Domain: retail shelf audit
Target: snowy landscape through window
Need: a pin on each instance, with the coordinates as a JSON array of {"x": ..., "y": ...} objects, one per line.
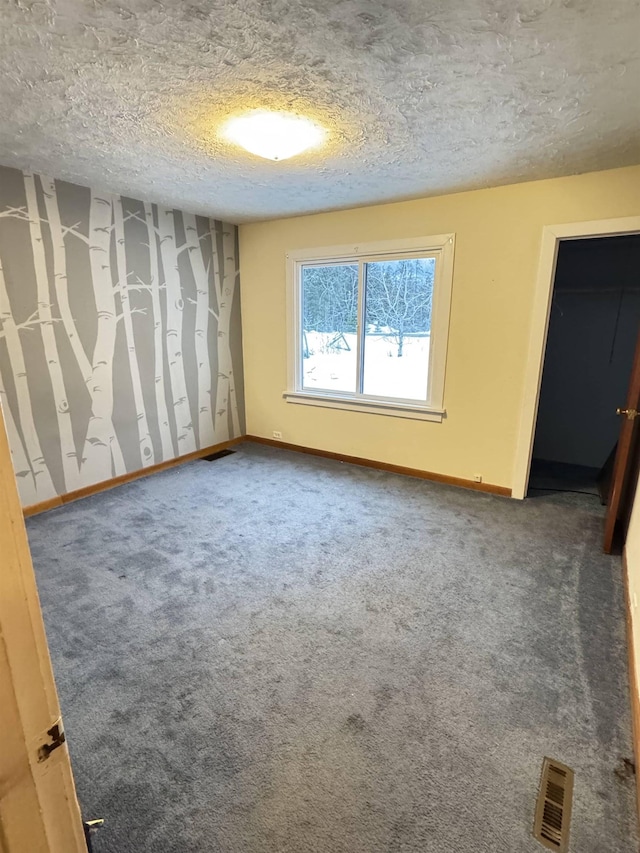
[{"x": 370, "y": 329}]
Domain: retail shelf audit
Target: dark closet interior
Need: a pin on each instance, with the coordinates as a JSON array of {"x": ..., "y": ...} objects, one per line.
[{"x": 593, "y": 329}]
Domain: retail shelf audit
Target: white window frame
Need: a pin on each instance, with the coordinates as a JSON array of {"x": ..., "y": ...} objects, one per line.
[{"x": 441, "y": 247}]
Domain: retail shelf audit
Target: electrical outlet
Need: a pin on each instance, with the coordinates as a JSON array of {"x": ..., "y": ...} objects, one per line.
[
  {"x": 277, "y": 433},
  {"x": 477, "y": 478}
]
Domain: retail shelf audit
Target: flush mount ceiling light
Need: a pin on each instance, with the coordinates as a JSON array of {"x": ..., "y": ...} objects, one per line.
[{"x": 273, "y": 135}]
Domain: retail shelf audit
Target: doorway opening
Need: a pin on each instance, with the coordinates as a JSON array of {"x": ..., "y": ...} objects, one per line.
[{"x": 592, "y": 337}]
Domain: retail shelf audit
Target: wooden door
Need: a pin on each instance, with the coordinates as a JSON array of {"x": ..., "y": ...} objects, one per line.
[
  {"x": 625, "y": 462},
  {"x": 39, "y": 811}
]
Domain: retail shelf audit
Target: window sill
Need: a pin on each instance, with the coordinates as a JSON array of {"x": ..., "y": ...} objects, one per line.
[{"x": 394, "y": 410}]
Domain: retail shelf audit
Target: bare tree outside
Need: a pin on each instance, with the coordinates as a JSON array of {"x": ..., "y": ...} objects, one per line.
[
  {"x": 330, "y": 298},
  {"x": 329, "y": 326},
  {"x": 398, "y": 298}
]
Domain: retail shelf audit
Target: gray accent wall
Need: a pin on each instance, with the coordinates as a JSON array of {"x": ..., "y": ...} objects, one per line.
[{"x": 120, "y": 333}]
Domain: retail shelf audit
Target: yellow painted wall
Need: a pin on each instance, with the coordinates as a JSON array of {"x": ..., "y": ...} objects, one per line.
[{"x": 498, "y": 236}]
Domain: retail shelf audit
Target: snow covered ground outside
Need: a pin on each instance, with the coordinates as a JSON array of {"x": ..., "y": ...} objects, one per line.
[{"x": 332, "y": 367}]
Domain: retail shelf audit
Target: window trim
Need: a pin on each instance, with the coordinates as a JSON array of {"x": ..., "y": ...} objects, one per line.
[{"x": 442, "y": 246}]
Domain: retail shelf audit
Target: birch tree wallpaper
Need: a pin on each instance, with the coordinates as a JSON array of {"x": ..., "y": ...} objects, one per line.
[{"x": 120, "y": 335}]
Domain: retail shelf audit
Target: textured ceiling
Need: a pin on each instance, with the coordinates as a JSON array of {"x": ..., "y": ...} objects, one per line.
[{"x": 421, "y": 97}]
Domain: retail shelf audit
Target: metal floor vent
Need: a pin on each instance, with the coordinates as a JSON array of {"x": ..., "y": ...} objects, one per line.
[
  {"x": 213, "y": 456},
  {"x": 553, "y": 809}
]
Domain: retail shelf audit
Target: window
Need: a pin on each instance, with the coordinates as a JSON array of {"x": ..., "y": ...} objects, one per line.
[{"x": 368, "y": 326}]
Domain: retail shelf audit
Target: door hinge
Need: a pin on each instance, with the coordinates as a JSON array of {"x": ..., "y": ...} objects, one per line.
[
  {"x": 631, "y": 414},
  {"x": 57, "y": 738}
]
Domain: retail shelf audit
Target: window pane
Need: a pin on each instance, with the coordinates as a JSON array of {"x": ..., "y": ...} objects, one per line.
[
  {"x": 329, "y": 318},
  {"x": 397, "y": 331}
]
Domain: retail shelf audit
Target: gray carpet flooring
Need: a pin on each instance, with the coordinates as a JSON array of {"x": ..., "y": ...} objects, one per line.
[{"x": 275, "y": 653}]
